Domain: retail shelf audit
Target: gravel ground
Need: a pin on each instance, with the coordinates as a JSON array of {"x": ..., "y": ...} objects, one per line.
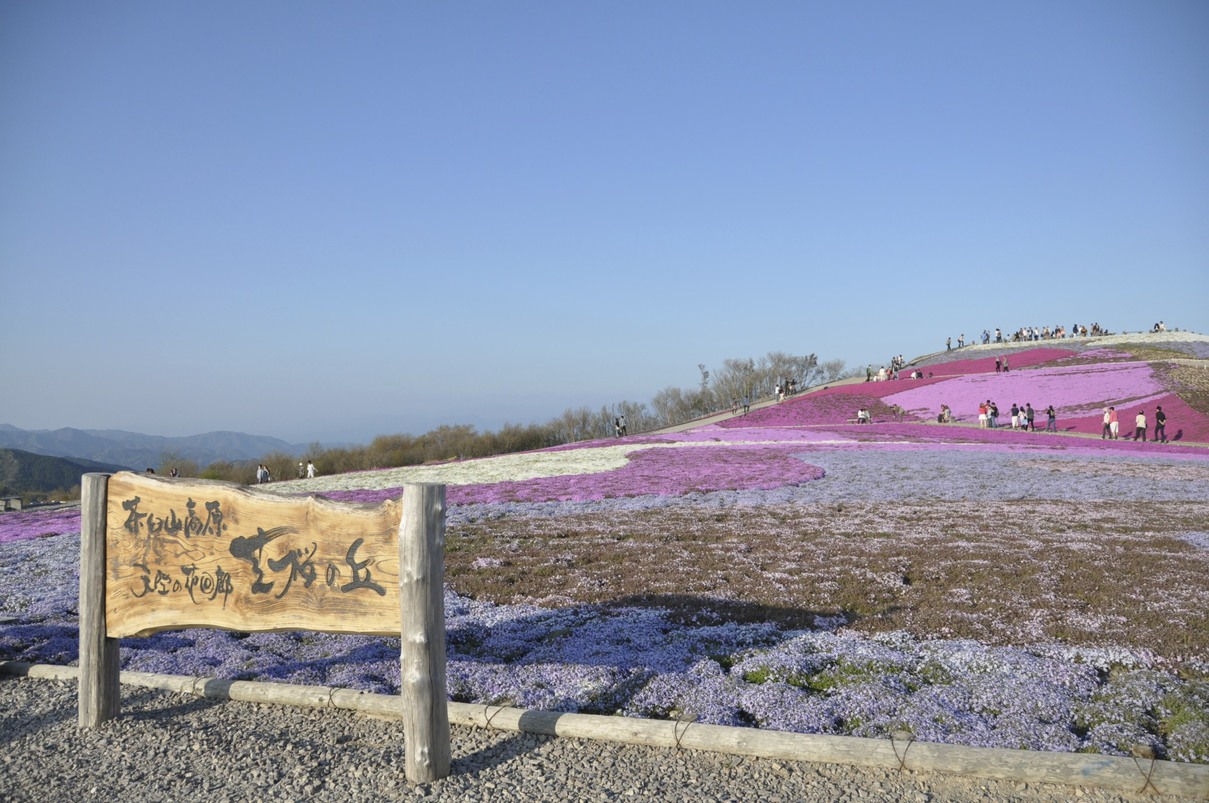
[{"x": 170, "y": 747}]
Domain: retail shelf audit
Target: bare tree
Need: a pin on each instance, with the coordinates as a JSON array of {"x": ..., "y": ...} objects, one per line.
[{"x": 171, "y": 459}]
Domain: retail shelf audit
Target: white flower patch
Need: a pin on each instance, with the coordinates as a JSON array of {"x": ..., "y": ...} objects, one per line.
[{"x": 499, "y": 468}]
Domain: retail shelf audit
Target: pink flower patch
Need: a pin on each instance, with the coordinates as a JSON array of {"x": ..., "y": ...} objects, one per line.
[
  {"x": 829, "y": 406},
  {"x": 1074, "y": 391},
  {"x": 661, "y": 471},
  {"x": 38, "y": 523}
]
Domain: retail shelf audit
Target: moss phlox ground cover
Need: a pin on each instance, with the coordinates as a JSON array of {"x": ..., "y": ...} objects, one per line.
[{"x": 788, "y": 570}]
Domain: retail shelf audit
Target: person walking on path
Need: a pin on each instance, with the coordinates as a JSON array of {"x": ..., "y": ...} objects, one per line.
[
  {"x": 1029, "y": 415},
  {"x": 1113, "y": 424},
  {"x": 948, "y": 344},
  {"x": 1140, "y": 428},
  {"x": 310, "y": 469},
  {"x": 1160, "y": 424},
  {"x": 1107, "y": 431},
  {"x": 1051, "y": 419}
]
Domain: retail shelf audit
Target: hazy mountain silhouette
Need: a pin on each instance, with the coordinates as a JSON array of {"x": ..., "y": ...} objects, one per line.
[{"x": 138, "y": 451}]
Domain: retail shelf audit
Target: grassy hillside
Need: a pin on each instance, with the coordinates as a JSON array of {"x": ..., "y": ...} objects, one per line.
[{"x": 33, "y": 475}]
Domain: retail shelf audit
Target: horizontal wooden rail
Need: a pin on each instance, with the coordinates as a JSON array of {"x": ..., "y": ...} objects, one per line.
[{"x": 1077, "y": 769}]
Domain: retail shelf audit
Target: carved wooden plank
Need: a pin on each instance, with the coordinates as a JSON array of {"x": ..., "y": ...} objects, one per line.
[
  {"x": 99, "y": 692},
  {"x": 422, "y": 608},
  {"x": 198, "y": 553}
]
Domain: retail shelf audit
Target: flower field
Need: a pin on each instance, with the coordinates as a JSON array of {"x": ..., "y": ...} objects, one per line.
[{"x": 788, "y": 570}]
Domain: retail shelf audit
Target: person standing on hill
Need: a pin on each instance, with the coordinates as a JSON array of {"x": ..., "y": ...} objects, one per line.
[
  {"x": 1113, "y": 423},
  {"x": 310, "y": 469},
  {"x": 1051, "y": 419},
  {"x": 961, "y": 340},
  {"x": 1029, "y": 415},
  {"x": 1139, "y": 431},
  {"x": 982, "y": 416},
  {"x": 948, "y": 344},
  {"x": 1107, "y": 431},
  {"x": 1160, "y": 424},
  {"x": 1015, "y": 416},
  {"x": 998, "y": 365}
]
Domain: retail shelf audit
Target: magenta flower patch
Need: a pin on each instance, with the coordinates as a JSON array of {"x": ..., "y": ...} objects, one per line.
[
  {"x": 1183, "y": 423},
  {"x": 830, "y": 406},
  {"x": 986, "y": 365}
]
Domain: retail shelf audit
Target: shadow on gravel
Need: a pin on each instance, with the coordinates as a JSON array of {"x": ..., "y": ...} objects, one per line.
[
  {"x": 153, "y": 705},
  {"x": 513, "y": 747}
]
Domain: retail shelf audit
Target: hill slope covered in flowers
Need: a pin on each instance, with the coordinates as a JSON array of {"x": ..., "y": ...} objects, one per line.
[{"x": 787, "y": 569}]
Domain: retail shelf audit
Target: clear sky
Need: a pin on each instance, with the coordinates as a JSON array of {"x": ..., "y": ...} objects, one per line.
[{"x": 329, "y": 221}]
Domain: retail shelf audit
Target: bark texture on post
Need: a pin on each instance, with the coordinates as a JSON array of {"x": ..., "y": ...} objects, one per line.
[
  {"x": 100, "y": 695},
  {"x": 422, "y": 608}
]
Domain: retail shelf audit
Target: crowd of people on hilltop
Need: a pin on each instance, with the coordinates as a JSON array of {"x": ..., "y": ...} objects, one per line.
[{"x": 1029, "y": 333}]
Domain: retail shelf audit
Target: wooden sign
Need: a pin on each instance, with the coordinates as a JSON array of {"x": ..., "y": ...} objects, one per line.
[
  {"x": 158, "y": 553},
  {"x": 198, "y": 553}
]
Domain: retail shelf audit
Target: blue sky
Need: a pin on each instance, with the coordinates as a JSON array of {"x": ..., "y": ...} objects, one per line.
[{"x": 328, "y": 221}]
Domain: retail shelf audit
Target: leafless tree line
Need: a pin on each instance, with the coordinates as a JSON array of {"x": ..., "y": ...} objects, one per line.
[{"x": 717, "y": 391}]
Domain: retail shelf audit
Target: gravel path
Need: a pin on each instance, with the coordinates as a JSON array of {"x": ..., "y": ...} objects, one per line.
[{"x": 168, "y": 746}]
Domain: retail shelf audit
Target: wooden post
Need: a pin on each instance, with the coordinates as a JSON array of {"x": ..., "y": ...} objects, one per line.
[
  {"x": 422, "y": 606},
  {"x": 100, "y": 696}
]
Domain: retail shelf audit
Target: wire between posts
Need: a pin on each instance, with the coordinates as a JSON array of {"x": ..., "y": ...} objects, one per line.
[
  {"x": 1147, "y": 776},
  {"x": 493, "y": 714},
  {"x": 679, "y": 734},
  {"x": 910, "y": 739}
]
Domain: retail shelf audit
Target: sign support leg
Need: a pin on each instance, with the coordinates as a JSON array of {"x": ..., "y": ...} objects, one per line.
[{"x": 100, "y": 695}]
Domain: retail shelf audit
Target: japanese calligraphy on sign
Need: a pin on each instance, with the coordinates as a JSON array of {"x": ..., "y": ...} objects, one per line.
[{"x": 213, "y": 554}]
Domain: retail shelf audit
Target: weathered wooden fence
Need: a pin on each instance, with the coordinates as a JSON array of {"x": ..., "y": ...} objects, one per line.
[{"x": 159, "y": 554}]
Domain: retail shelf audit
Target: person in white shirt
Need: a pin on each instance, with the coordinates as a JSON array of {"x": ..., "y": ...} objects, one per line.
[{"x": 1140, "y": 422}]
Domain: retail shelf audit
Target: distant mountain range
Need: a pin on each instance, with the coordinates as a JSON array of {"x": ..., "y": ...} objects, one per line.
[{"x": 133, "y": 450}]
